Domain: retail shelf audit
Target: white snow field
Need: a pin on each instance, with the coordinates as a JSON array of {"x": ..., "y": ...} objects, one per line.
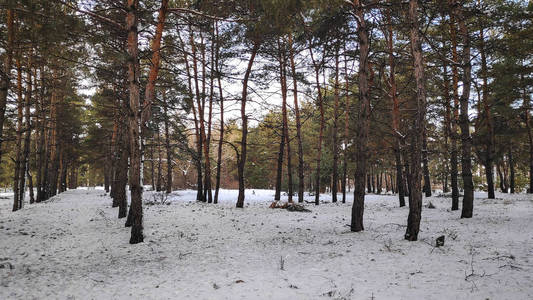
[{"x": 74, "y": 247}]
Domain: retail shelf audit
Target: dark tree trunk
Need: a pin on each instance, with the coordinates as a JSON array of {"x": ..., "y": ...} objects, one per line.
[
  {"x": 415, "y": 196},
  {"x": 335, "y": 145},
  {"x": 283, "y": 77},
  {"x": 489, "y": 161},
  {"x": 466, "y": 140},
  {"x": 18, "y": 148},
  {"x": 511, "y": 171},
  {"x": 316, "y": 66},
  {"x": 168, "y": 183},
  {"x": 279, "y": 171},
  {"x": 134, "y": 122},
  {"x": 363, "y": 120},
  {"x": 454, "y": 120},
  {"x": 242, "y": 159},
  {"x": 122, "y": 173},
  {"x": 298, "y": 125},
  {"x": 427, "y": 183},
  {"x": 221, "y": 137}
]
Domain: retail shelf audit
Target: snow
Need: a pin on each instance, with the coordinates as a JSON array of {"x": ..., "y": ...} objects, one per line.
[{"x": 74, "y": 247}]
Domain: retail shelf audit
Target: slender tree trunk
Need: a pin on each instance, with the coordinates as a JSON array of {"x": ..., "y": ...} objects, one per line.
[
  {"x": 159, "y": 162},
  {"x": 283, "y": 74},
  {"x": 466, "y": 140},
  {"x": 395, "y": 112},
  {"x": 298, "y": 124},
  {"x": 198, "y": 155},
  {"x": 221, "y": 137},
  {"x": 415, "y": 196},
  {"x": 335, "y": 145},
  {"x": 425, "y": 163},
  {"x": 489, "y": 161},
  {"x": 279, "y": 171},
  {"x": 511, "y": 171},
  {"x": 201, "y": 137},
  {"x": 18, "y": 147},
  {"x": 322, "y": 123},
  {"x": 24, "y": 168},
  {"x": 527, "y": 106},
  {"x": 242, "y": 159},
  {"x": 363, "y": 120},
  {"x": 122, "y": 173},
  {"x": 454, "y": 120},
  {"x": 168, "y": 185}
]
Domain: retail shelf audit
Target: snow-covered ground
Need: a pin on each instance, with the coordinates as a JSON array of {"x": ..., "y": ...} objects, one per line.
[{"x": 74, "y": 247}]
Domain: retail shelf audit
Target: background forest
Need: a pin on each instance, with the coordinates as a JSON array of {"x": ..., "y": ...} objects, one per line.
[{"x": 266, "y": 94}]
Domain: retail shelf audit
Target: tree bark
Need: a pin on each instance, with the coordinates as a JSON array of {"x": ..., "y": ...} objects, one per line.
[
  {"x": 363, "y": 120},
  {"x": 135, "y": 123},
  {"x": 415, "y": 195},
  {"x": 425, "y": 163},
  {"x": 466, "y": 140},
  {"x": 18, "y": 147},
  {"x": 168, "y": 184}
]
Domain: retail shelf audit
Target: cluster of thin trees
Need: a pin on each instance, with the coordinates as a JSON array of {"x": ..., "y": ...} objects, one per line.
[{"x": 161, "y": 69}]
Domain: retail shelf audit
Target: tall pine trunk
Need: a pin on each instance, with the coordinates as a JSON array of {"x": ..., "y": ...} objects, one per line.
[
  {"x": 363, "y": 120},
  {"x": 454, "y": 120},
  {"x": 335, "y": 145},
  {"x": 415, "y": 195},
  {"x": 298, "y": 124},
  {"x": 134, "y": 123},
  {"x": 241, "y": 159},
  {"x": 466, "y": 140},
  {"x": 221, "y": 97}
]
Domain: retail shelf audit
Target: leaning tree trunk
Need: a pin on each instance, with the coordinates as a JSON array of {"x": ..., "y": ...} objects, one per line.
[
  {"x": 363, "y": 120},
  {"x": 415, "y": 196},
  {"x": 242, "y": 157}
]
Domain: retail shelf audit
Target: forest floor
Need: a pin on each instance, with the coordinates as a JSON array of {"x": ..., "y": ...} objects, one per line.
[{"x": 74, "y": 247}]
